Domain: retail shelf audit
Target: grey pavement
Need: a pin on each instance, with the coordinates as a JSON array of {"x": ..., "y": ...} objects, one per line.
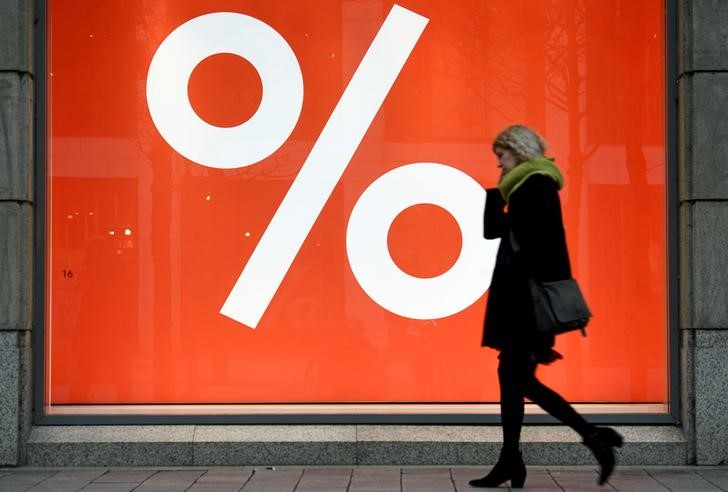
[{"x": 351, "y": 479}]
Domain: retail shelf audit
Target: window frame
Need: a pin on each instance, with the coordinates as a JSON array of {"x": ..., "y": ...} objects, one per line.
[{"x": 41, "y": 416}]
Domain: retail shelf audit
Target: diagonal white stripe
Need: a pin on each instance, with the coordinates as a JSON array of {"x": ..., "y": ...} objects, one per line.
[{"x": 359, "y": 104}]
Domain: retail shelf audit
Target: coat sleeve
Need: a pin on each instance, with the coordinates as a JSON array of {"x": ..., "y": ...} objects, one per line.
[
  {"x": 495, "y": 221},
  {"x": 537, "y": 224}
]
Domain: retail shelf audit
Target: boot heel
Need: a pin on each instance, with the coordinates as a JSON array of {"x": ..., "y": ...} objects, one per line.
[
  {"x": 602, "y": 441},
  {"x": 517, "y": 483},
  {"x": 510, "y": 466},
  {"x": 518, "y": 475}
]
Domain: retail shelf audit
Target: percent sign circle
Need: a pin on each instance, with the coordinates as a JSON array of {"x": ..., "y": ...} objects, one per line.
[
  {"x": 257, "y": 138},
  {"x": 372, "y": 264},
  {"x": 194, "y": 138}
]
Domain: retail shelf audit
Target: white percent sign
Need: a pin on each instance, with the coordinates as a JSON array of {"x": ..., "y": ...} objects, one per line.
[{"x": 272, "y": 124}]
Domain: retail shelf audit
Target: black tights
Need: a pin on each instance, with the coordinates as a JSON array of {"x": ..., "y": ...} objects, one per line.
[{"x": 517, "y": 378}]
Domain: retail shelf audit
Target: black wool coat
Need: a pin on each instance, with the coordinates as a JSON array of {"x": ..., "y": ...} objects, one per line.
[{"x": 534, "y": 216}]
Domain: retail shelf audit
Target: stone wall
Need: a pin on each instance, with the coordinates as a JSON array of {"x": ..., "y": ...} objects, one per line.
[
  {"x": 16, "y": 225},
  {"x": 703, "y": 201}
]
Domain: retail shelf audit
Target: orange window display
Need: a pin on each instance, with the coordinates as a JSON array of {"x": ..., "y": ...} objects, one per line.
[{"x": 271, "y": 202}]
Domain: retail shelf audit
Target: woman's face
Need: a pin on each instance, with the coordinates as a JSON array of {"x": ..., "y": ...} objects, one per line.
[{"x": 507, "y": 160}]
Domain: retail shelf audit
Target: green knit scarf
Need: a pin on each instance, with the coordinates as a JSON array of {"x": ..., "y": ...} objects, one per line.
[{"x": 518, "y": 175}]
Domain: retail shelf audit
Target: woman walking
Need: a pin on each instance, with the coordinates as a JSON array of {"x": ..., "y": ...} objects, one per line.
[{"x": 525, "y": 212}]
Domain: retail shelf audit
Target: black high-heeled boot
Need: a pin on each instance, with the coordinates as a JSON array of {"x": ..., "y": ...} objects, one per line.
[
  {"x": 602, "y": 441},
  {"x": 509, "y": 467}
]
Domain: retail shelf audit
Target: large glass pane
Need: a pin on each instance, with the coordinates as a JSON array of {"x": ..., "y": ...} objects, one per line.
[{"x": 146, "y": 241}]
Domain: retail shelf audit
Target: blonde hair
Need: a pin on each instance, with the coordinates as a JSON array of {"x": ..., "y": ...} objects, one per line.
[{"x": 525, "y": 143}]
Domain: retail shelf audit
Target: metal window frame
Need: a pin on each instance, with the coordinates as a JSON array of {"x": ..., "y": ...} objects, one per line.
[{"x": 40, "y": 416}]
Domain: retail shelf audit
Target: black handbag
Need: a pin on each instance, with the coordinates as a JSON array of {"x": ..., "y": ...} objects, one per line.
[{"x": 558, "y": 306}]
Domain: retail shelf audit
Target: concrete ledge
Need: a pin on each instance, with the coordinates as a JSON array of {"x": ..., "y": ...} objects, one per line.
[
  {"x": 231, "y": 445},
  {"x": 111, "y": 446},
  {"x": 331, "y": 445},
  {"x": 541, "y": 445}
]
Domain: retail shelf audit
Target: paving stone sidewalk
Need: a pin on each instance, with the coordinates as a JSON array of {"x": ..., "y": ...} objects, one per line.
[{"x": 351, "y": 479}]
